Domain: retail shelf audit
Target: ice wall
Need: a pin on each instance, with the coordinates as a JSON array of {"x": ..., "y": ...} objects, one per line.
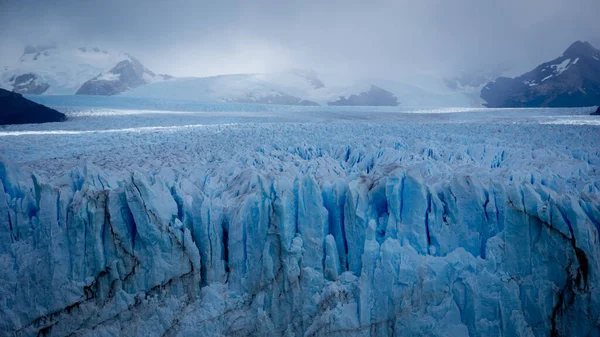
[{"x": 296, "y": 252}]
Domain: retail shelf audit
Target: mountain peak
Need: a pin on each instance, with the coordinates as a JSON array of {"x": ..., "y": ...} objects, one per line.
[
  {"x": 579, "y": 48},
  {"x": 570, "y": 80},
  {"x": 65, "y": 70}
]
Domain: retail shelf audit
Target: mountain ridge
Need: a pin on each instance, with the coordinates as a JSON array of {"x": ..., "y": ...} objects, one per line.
[
  {"x": 570, "y": 80},
  {"x": 63, "y": 70}
]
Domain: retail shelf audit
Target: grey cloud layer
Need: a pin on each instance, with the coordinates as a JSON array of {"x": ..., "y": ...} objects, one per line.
[{"x": 375, "y": 37}]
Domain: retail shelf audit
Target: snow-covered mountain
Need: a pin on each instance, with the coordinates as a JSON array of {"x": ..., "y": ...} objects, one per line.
[
  {"x": 61, "y": 70},
  {"x": 573, "y": 79},
  {"x": 51, "y": 70},
  {"x": 127, "y": 74}
]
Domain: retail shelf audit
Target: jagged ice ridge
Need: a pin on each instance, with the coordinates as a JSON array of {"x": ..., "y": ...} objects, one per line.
[{"x": 391, "y": 228}]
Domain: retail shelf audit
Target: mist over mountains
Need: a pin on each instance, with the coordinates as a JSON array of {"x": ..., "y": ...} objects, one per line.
[
  {"x": 64, "y": 70},
  {"x": 570, "y": 80}
]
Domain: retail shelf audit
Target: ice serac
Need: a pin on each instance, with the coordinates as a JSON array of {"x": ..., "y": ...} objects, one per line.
[{"x": 395, "y": 251}]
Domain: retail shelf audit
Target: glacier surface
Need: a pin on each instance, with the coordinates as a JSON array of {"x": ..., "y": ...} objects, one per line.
[
  {"x": 415, "y": 91},
  {"x": 139, "y": 223}
]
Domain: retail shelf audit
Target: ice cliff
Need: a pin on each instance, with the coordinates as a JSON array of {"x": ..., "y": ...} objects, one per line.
[{"x": 395, "y": 251}]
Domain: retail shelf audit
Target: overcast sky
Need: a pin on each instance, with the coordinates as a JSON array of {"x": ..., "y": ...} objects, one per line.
[{"x": 377, "y": 37}]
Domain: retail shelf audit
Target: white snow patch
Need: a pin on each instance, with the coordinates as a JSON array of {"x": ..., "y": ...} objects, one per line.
[
  {"x": 108, "y": 76},
  {"x": 562, "y": 67}
]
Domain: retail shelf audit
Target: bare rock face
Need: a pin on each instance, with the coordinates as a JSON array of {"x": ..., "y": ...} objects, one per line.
[
  {"x": 571, "y": 80},
  {"x": 16, "y": 109}
]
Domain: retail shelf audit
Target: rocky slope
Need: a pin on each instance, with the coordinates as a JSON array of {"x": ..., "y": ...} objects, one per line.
[
  {"x": 15, "y": 109},
  {"x": 571, "y": 80}
]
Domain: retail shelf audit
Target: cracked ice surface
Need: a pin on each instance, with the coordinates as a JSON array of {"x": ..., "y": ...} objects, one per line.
[{"x": 478, "y": 223}]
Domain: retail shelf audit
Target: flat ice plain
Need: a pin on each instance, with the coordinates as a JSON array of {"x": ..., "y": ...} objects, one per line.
[{"x": 321, "y": 221}]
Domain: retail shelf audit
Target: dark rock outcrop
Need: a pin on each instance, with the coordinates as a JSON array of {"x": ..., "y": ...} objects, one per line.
[
  {"x": 376, "y": 96},
  {"x": 597, "y": 112},
  {"x": 571, "y": 80},
  {"x": 16, "y": 109}
]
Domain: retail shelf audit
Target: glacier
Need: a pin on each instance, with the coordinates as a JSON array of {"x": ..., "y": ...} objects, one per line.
[
  {"x": 414, "y": 91},
  {"x": 465, "y": 224}
]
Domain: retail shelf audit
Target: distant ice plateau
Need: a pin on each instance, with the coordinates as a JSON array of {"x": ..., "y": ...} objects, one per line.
[
  {"x": 311, "y": 223},
  {"x": 64, "y": 70}
]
